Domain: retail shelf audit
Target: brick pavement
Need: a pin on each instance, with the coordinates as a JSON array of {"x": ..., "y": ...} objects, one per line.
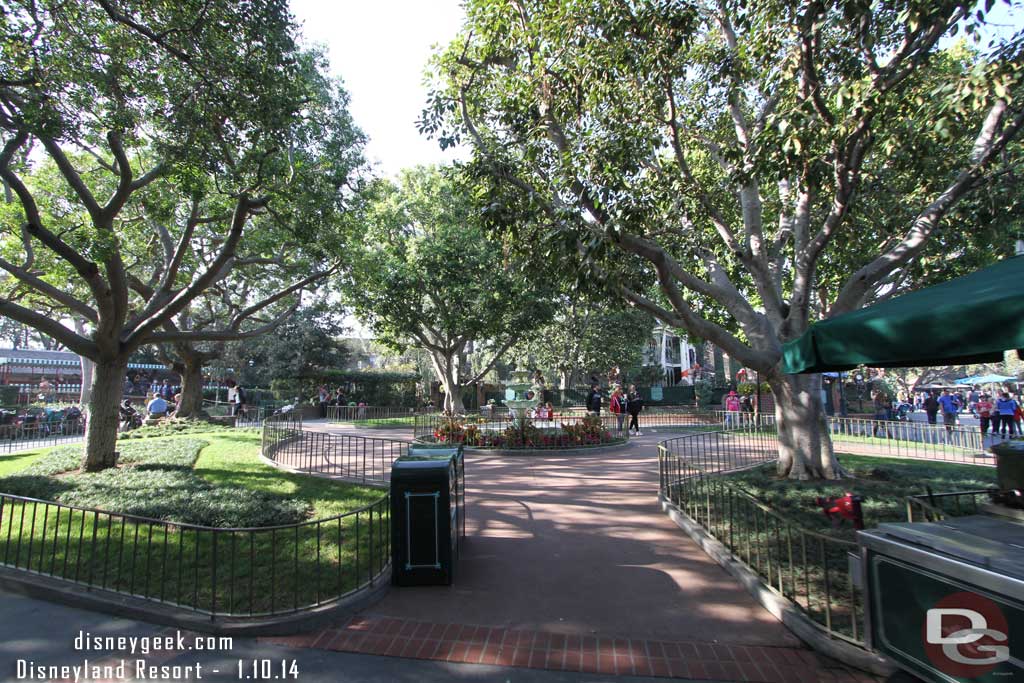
[
  {"x": 472, "y": 644},
  {"x": 570, "y": 565}
]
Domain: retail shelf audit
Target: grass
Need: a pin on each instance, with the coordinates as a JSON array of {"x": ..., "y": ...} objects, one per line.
[
  {"x": 811, "y": 569},
  {"x": 267, "y": 570},
  {"x": 884, "y": 482},
  {"x": 383, "y": 422},
  {"x": 19, "y": 461}
]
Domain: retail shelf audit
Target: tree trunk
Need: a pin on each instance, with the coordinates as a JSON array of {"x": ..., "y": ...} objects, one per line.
[
  {"x": 88, "y": 366},
  {"x": 101, "y": 429},
  {"x": 805, "y": 447},
  {"x": 447, "y": 373},
  {"x": 191, "y": 372}
]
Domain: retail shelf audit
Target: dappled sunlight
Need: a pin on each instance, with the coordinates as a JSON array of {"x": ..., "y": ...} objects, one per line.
[{"x": 578, "y": 545}]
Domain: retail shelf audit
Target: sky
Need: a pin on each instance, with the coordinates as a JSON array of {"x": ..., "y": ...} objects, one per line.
[{"x": 380, "y": 49}]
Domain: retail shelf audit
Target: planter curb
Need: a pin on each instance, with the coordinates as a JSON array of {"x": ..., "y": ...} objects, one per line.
[{"x": 779, "y": 607}]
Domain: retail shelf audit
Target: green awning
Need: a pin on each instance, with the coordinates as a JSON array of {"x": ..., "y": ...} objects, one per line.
[{"x": 972, "y": 319}]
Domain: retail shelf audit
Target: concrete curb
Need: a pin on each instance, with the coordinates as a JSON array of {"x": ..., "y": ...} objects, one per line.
[
  {"x": 781, "y": 608},
  {"x": 72, "y": 595}
]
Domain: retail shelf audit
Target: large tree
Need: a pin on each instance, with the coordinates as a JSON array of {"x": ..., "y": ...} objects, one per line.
[
  {"x": 427, "y": 276},
  {"x": 174, "y": 124},
  {"x": 588, "y": 334},
  {"x": 768, "y": 163}
]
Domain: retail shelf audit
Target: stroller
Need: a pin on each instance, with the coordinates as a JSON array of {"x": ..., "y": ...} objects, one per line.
[{"x": 129, "y": 417}]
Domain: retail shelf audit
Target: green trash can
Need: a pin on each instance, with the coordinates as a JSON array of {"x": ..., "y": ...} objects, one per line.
[{"x": 428, "y": 502}]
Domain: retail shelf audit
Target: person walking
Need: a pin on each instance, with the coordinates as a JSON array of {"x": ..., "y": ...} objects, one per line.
[
  {"x": 882, "y": 407},
  {"x": 322, "y": 398},
  {"x": 732, "y": 409},
  {"x": 634, "y": 404},
  {"x": 931, "y": 407},
  {"x": 950, "y": 407},
  {"x": 1007, "y": 407},
  {"x": 617, "y": 404},
  {"x": 984, "y": 408},
  {"x": 594, "y": 399},
  {"x": 1018, "y": 415}
]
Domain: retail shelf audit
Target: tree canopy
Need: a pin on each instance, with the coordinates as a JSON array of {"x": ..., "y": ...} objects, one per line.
[
  {"x": 154, "y": 151},
  {"x": 428, "y": 276},
  {"x": 747, "y": 157}
]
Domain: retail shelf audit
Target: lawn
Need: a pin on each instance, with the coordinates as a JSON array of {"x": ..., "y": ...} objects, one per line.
[
  {"x": 382, "y": 422},
  {"x": 783, "y": 536},
  {"x": 211, "y": 477},
  {"x": 18, "y": 461},
  {"x": 885, "y": 484}
]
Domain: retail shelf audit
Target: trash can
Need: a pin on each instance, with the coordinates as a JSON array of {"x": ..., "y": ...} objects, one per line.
[{"x": 428, "y": 499}]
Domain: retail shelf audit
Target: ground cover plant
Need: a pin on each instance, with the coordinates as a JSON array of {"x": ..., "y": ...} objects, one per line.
[
  {"x": 217, "y": 475},
  {"x": 774, "y": 526},
  {"x": 885, "y": 484}
]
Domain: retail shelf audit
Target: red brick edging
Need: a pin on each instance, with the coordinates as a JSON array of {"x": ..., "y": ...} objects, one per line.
[{"x": 560, "y": 652}]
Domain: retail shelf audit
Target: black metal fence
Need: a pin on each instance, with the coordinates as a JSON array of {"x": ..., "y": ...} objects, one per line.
[
  {"x": 808, "y": 568},
  {"x": 39, "y": 434},
  {"x": 216, "y": 571},
  {"x": 933, "y": 507},
  {"x": 246, "y": 416},
  {"x": 502, "y": 430},
  {"x": 356, "y": 458},
  {"x": 910, "y": 440},
  {"x": 382, "y": 415}
]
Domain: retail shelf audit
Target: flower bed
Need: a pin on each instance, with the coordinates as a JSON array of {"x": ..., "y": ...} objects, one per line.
[{"x": 481, "y": 432}]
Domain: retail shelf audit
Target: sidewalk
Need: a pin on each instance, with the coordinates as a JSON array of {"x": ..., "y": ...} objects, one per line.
[
  {"x": 570, "y": 572},
  {"x": 569, "y": 557}
]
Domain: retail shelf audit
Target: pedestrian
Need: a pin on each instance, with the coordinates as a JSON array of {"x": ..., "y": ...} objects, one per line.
[
  {"x": 931, "y": 407},
  {"x": 1007, "y": 407},
  {"x": 236, "y": 397},
  {"x": 883, "y": 409},
  {"x": 165, "y": 391},
  {"x": 972, "y": 400},
  {"x": 322, "y": 397},
  {"x": 950, "y": 407},
  {"x": 594, "y": 399},
  {"x": 634, "y": 404},
  {"x": 732, "y": 409},
  {"x": 1018, "y": 415},
  {"x": 984, "y": 407},
  {"x": 617, "y": 404}
]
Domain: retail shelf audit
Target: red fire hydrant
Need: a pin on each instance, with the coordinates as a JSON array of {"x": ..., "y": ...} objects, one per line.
[{"x": 843, "y": 507}]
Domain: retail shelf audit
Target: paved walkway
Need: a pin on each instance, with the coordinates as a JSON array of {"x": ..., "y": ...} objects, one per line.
[{"x": 569, "y": 564}]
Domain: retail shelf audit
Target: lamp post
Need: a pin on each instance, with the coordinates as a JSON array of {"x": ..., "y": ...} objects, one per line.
[{"x": 859, "y": 379}]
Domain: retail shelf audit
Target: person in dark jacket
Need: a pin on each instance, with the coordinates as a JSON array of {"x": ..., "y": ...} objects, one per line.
[
  {"x": 594, "y": 399},
  {"x": 931, "y": 407},
  {"x": 634, "y": 404}
]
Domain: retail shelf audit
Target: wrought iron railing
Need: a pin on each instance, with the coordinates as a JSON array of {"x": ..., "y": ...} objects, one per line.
[
  {"x": 39, "y": 434},
  {"x": 356, "y": 458},
  {"x": 933, "y": 507},
  {"x": 246, "y": 416},
  {"x": 221, "y": 572},
  {"x": 910, "y": 440},
  {"x": 374, "y": 414},
  {"x": 808, "y": 568}
]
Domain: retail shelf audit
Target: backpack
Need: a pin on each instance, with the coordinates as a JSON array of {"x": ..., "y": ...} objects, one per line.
[
  {"x": 241, "y": 395},
  {"x": 615, "y": 405}
]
